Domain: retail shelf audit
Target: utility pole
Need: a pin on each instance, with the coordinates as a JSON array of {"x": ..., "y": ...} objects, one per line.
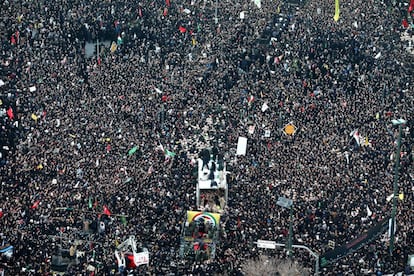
[
  {"x": 215, "y": 13},
  {"x": 288, "y": 204},
  {"x": 97, "y": 51},
  {"x": 400, "y": 123},
  {"x": 289, "y": 247}
]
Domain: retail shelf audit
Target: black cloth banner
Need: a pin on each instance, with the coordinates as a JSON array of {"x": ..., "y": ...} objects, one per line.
[{"x": 352, "y": 246}]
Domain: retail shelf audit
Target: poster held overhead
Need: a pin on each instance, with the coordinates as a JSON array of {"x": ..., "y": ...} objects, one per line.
[
  {"x": 258, "y": 3},
  {"x": 241, "y": 146},
  {"x": 289, "y": 129}
]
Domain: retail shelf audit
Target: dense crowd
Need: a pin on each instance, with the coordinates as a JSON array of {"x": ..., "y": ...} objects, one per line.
[{"x": 179, "y": 79}]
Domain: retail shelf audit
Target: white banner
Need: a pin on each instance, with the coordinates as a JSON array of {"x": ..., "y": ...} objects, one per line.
[
  {"x": 141, "y": 258},
  {"x": 241, "y": 146},
  {"x": 265, "y": 107}
]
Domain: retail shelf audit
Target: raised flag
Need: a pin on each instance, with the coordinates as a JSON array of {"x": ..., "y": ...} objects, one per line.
[
  {"x": 127, "y": 180},
  {"x": 168, "y": 3},
  {"x": 119, "y": 40},
  {"x": 106, "y": 210},
  {"x": 90, "y": 203},
  {"x": 411, "y": 6},
  {"x": 132, "y": 150},
  {"x": 250, "y": 99},
  {"x": 355, "y": 134},
  {"x": 34, "y": 117},
  {"x": 337, "y": 11},
  {"x": 169, "y": 153},
  {"x": 405, "y": 23},
  {"x": 369, "y": 212},
  {"x": 10, "y": 113},
  {"x": 123, "y": 220},
  {"x": 35, "y": 204},
  {"x": 182, "y": 29},
  {"x": 113, "y": 47},
  {"x": 159, "y": 91},
  {"x": 366, "y": 143},
  {"x": 165, "y": 13},
  {"x": 160, "y": 147}
]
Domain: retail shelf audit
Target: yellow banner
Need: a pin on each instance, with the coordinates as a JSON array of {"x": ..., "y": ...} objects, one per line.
[
  {"x": 336, "y": 16},
  {"x": 214, "y": 218}
]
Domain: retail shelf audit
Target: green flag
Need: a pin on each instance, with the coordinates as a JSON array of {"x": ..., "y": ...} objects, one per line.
[
  {"x": 169, "y": 153},
  {"x": 123, "y": 220},
  {"x": 90, "y": 203},
  {"x": 132, "y": 150},
  {"x": 128, "y": 180}
]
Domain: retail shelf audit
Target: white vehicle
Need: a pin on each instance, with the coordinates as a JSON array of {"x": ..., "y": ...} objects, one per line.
[{"x": 212, "y": 189}]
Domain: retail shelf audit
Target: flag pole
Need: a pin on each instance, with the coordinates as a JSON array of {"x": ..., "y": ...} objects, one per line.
[
  {"x": 97, "y": 50},
  {"x": 215, "y": 13},
  {"x": 395, "y": 184}
]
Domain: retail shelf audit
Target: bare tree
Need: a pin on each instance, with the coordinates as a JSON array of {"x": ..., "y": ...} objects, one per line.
[{"x": 263, "y": 266}]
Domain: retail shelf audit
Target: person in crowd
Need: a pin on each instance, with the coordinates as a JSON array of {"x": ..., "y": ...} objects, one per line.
[{"x": 110, "y": 138}]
